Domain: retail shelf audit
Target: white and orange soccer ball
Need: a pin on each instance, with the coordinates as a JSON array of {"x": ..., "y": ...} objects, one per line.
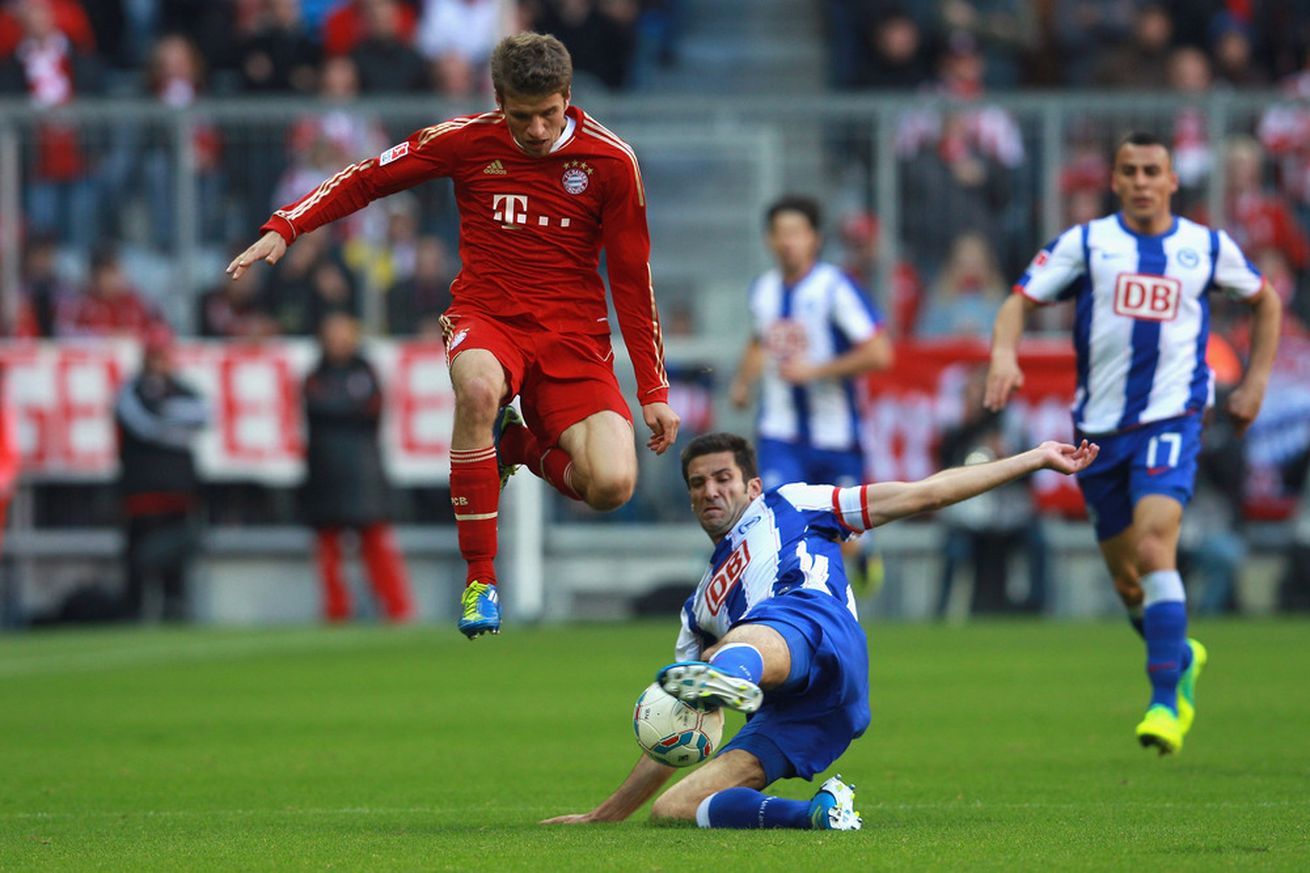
[{"x": 672, "y": 732}]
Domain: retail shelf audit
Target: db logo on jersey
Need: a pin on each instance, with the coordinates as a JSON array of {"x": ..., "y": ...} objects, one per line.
[
  {"x": 391, "y": 154},
  {"x": 716, "y": 593},
  {"x": 1154, "y": 298}
]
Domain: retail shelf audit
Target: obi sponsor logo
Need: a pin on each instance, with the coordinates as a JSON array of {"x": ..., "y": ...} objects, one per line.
[
  {"x": 716, "y": 593},
  {"x": 1154, "y": 298},
  {"x": 393, "y": 153}
]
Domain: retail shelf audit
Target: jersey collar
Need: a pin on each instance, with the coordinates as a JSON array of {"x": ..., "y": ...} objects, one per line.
[{"x": 1173, "y": 227}]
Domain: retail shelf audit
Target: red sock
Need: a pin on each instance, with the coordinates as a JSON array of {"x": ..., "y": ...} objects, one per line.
[
  {"x": 475, "y": 496},
  {"x": 519, "y": 446},
  {"x": 555, "y": 465}
]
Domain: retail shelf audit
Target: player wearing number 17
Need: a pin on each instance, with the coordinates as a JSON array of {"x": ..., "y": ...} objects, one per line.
[
  {"x": 541, "y": 187},
  {"x": 1139, "y": 280}
]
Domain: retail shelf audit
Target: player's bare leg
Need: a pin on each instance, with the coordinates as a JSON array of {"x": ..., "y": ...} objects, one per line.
[
  {"x": 725, "y": 792},
  {"x": 479, "y": 383},
  {"x": 603, "y": 449}
]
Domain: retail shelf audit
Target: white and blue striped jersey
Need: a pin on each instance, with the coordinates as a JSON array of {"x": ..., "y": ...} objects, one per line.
[
  {"x": 787, "y": 538},
  {"x": 819, "y": 318},
  {"x": 1143, "y": 315}
]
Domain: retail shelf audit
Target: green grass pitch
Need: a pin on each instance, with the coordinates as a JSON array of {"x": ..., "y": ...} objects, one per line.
[{"x": 994, "y": 746}]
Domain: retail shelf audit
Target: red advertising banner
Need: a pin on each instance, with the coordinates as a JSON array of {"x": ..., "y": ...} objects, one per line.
[
  {"x": 59, "y": 399},
  {"x": 925, "y": 392}
]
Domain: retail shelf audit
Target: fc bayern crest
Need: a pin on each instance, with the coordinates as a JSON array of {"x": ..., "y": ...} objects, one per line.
[{"x": 576, "y": 176}]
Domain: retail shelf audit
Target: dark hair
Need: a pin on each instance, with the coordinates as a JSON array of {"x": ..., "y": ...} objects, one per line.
[
  {"x": 1143, "y": 138},
  {"x": 532, "y": 65},
  {"x": 807, "y": 206},
  {"x": 743, "y": 453}
]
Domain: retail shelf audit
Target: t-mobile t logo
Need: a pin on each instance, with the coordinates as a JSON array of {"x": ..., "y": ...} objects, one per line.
[{"x": 511, "y": 208}]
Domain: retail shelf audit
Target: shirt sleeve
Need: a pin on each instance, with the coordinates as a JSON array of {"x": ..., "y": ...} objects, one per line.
[
  {"x": 427, "y": 154},
  {"x": 853, "y": 312},
  {"x": 627, "y": 255},
  {"x": 842, "y": 511},
  {"x": 1055, "y": 268},
  {"x": 1233, "y": 272}
]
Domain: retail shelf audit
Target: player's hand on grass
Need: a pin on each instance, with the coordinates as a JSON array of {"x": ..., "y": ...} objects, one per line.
[
  {"x": 663, "y": 423},
  {"x": 1003, "y": 379},
  {"x": 1067, "y": 459},
  {"x": 270, "y": 248},
  {"x": 1244, "y": 405},
  {"x": 573, "y": 818}
]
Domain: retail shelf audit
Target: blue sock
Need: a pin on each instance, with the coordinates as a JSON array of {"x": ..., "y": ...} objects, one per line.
[
  {"x": 1164, "y": 621},
  {"x": 748, "y": 808},
  {"x": 741, "y": 660}
]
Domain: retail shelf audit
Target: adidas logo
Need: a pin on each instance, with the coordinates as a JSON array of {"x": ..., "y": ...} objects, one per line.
[{"x": 495, "y": 169}]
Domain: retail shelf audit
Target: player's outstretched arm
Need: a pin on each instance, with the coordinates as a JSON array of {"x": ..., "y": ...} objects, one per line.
[
  {"x": 270, "y": 248},
  {"x": 749, "y": 369},
  {"x": 1267, "y": 315},
  {"x": 1004, "y": 376},
  {"x": 645, "y": 779},
  {"x": 888, "y": 501}
]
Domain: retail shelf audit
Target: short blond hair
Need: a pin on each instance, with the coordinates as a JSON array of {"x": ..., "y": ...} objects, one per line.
[{"x": 532, "y": 65}]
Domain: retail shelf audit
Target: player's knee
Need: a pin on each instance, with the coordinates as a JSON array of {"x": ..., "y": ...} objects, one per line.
[
  {"x": 610, "y": 491},
  {"x": 671, "y": 807},
  {"x": 478, "y": 397}
]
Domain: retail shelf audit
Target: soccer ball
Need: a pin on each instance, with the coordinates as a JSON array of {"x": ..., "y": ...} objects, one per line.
[{"x": 672, "y": 732}]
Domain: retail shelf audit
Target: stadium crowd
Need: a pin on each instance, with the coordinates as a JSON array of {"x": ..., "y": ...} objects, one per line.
[{"x": 99, "y": 203}]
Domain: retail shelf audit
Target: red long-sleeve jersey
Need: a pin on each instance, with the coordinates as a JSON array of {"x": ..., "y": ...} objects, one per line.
[{"x": 531, "y": 229}]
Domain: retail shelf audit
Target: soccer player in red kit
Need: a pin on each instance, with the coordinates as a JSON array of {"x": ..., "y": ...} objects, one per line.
[{"x": 541, "y": 188}]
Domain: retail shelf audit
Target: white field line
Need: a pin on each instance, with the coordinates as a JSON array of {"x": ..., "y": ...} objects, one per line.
[{"x": 176, "y": 649}]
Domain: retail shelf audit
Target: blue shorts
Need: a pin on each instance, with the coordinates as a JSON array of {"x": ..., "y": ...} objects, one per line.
[
  {"x": 783, "y": 462},
  {"x": 803, "y": 727},
  {"x": 1156, "y": 458}
]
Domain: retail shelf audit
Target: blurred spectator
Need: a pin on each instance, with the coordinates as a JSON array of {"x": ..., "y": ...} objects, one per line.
[
  {"x": 279, "y": 55},
  {"x": 1143, "y": 61},
  {"x": 385, "y": 58},
  {"x": 177, "y": 79},
  {"x": 1005, "y": 29},
  {"x": 1284, "y": 130},
  {"x": 211, "y": 25},
  {"x": 1082, "y": 29},
  {"x": 234, "y": 309},
  {"x": 308, "y": 284},
  {"x": 346, "y": 25},
  {"x": 599, "y": 34},
  {"x": 859, "y": 235},
  {"x": 967, "y": 294},
  {"x": 111, "y": 307},
  {"x": 322, "y": 143},
  {"x": 345, "y": 485},
  {"x": 67, "y": 16},
  {"x": 52, "y": 70},
  {"x": 158, "y": 417},
  {"x": 415, "y": 304},
  {"x": 1236, "y": 64},
  {"x": 457, "y": 36},
  {"x": 1189, "y": 74},
  {"x": 380, "y": 263},
  {"x": 44, "y": 292},
  {"x": 987, "y": 531},
  {"x": 1257, "y": 217},
  {"x": 888, "y": 50},
  {"x": 960, "y": 164}
]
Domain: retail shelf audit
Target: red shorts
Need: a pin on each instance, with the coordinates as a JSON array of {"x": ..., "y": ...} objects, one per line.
[{"x": 560, "y": 378}]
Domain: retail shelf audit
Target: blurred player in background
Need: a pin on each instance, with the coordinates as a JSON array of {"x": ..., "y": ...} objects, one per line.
[
  {"x": 772, "y": 631},
  {"x": 1139, "y": 280},
  {"x": 812, "y": 333},
  {"x": 541, "y": 187}
]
